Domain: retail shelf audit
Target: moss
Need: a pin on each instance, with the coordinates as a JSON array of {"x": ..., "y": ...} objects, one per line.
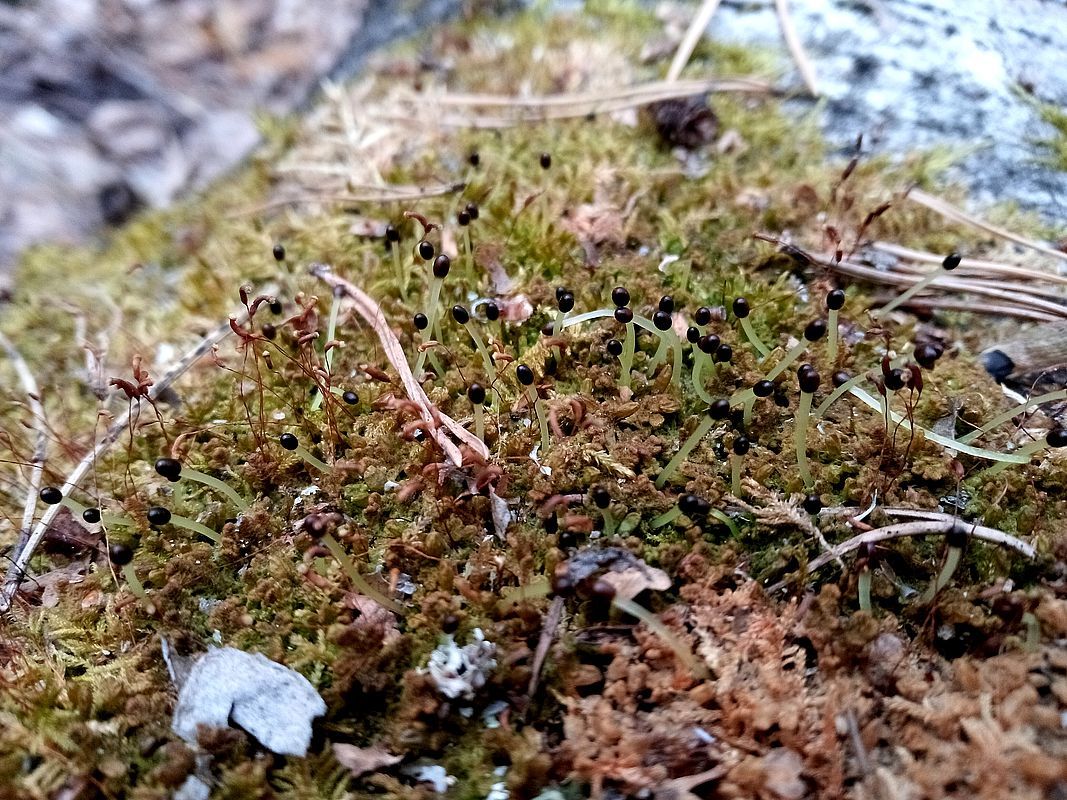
[{"x": 90, "y": 696}]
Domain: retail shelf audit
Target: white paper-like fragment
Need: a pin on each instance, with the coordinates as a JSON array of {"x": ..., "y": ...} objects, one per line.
[
  {"x": 433, "y": 774},
  {"x": 459, "y": 672},
  {"x": 271, "y": 702}
]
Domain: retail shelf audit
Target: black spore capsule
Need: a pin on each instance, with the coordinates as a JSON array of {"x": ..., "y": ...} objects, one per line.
[
  {"x": 460, "y": 314},
  {"x": 812, "y": 504},
  {"x": 476, "y": 394},
  {"x": 91, "y": 515},
  {"x": 546, "y": 160},
  {"x": 421, "y": 321},
  {"x": 741, "y": 445},
  {"x": 614, "y": 347},
  {"x": 288, "y": 441},
  {"x": 620, "y": 296},
  {"x": 894, "y": 379},
  {"x": 702, "y": 316},
  {"x": 708, "y": 343},
  {"x": 119, "y": 554},
  {"x": 1056, "y": 438},
  {"x": 666, "y": 304},
  {"x": 279, "y": 252},
  {"x": 840, "y": 378},
  {"x": 926, "y": 355},
  {"x": 158, "y": 516},
  {"x": 473, "y": 210},
  {"x": 723, "y": 354},
  {"x": 815, "y": 330},
  {"x": 492, "y": 311},
  {"x": 835, "y": 299},
  {"x": 524, "y": 374},
  {"x": 275, "y": 306},
  {"x": 474, "y": 158},
  {"x": 441, "y": 265},
  {"x": 463, "y": 217},
  {"x": 624, "y": 315},
  {"x": 425, "y": 250},
  {"x": 952, "y": 260},
  {"x": 600, "y": 496},
  {"x": 662, "y": 320},
  {"x": 50, "y": 495},
  {"x": 169, "y": 468},
  {"x": 763, "y": 388},
  {"x": 692, "y": 334},
  {"x": 565, "y": 302},
  {"x": 350, "y": 397},
  {"x": 741, "y": 308},
  {"x": 808, "y": 379},
  {"x": 719, "y": 409},
  {"x": 392, "y": 233}
]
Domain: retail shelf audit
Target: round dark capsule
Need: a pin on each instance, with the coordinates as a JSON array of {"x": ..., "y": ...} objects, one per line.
[
  {"x": 926, "y": 355},
  {"x": 815, "y": 330},
  {"x": 835, "y": 299},
  {"x": 392, "y": 233},
  {"x": 288, "y": 441},
  {"x": 702, "y": 508},
  {"x": 565, "y": 302},
  {"x": 614, "y": 347},
  {"x": 474, "y": 158},
  {"x": 275, "y": 306},
  {"x": 473, "y": 210},
  {"x": 425, "y": 250},
  {"x": 460, "y": 314},
  {"x": 560, "y": 291},
  {"x": 350, "y": 397},
  {"x": 741, "y": 308},
  {"x": 449, "y": 624},
  {"x": 551, "y": 524},
  {"x": 840, "y": 378},
  {"x": 279, "y": 252},
  {"x": 719, "y": 409},
  {"x": 169, "y": 468},
  {"x": 662, "y": 320},
  {"x": 551, "y": 365},
  {"x": 666, "y": 304},
  {"x": 441, "y": 265},
  {"x": 763, "y": 388},
  {"x": 50, "y": 495},
  {"x": 157, "y": 516},
  {"x": 620, "y": 296},
  {"x": 269, "y": 331},
  {"x": 91, "y": 515},
  {"x": 524, "y": 374},
  {"x": 120, "y": 554},
  {"x": 692, "y": 334},
  {"x": 463, "y": 218},
  {"x": 688, "y": 503},
  {"x": 708, "y": 343},
  {"x": 476, "y": 394},
  {"x": 741, "y": 445},
  {"x": 600, "y": 496},
  {"x": 422, "y": 322},
  {"x": 546, "y": 160},
  {"x": 1057, "y": 438},
  {"x": 492, "y": 311},
  {"x": 894, "y": 380},
  {"x": 624, "y": 315},
  {"x": 812, "y": 504},
  {"x": 702, "y": 316},
  {"x": 809, "y": 381},
  {"x": 724, "y": 354},
  {"x": 957, "y": 536},
  {"x": 952, "y": 260}
]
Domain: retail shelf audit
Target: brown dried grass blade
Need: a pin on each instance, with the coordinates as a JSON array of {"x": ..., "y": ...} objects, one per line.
[
  {"x": 692, "y": 36},
  {"x": 951, "y": 212}
]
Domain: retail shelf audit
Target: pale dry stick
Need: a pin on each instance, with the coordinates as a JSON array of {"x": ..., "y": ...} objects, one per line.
[
  {"x": 796, "y": 49},
  {"x": 372, "y": 313},
  {"x": 379, "y": 196},
  {"x": 949, "y": 211},
  {"x": 548, "y": 634},
  {"x": 40, "y": 449},
  {"x": 118, "y": 427},
  {"x": 692, "y": 36},
  {"x": 651, "y": 91},
  {"x": 969, "y": 265},
  {"x": 870, "y": 273},
  {"x": 918, "y": 528},
  {"x": 940, "y": 304}
]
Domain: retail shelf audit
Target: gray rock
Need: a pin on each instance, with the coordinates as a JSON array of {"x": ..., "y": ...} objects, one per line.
[{"x": 271, "y": 702}]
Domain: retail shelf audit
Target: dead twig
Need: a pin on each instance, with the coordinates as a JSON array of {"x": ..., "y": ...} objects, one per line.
[
  {"x": 40, "y": 449},
  {"x": 548, "y": 634},
  {"x": 692, "y": 36},
  {"x": 951, "y": 212},
  {"x": 372, "y": 313},
  {"x": 22, "y": 557},
  {"x": 796, "y": 49},
  {"x": 923, "y": 527},
  {"x": 970, "y": 266}
]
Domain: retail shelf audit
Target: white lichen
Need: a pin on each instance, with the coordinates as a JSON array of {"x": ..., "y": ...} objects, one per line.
[{"x": 459, "y": 672}]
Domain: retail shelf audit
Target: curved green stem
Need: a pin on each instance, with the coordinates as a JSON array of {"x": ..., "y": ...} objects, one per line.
[
  {"x": 666, "y": 517},
  {"x": 542, "y": 421},
  {"x": 479, "y": 421},
  {"x": 952, "y": 560},
  {"x": 699, "y": 361},
  {"x": 907, "y": 295},
  {"x": 661, "y": 353},
  {"x": 684, "y": 654},
  {"x": 130, "y": 574},
  {"x": 306, "y": 454},
  {"x": 796, "y": 352},
  {"x": 358, "y": 581},
  {"x": 1027, "y": 451},
  {"x": 611, "y": 523},
  {"x": 725, "y": 520},
  {"x": 217, "y": 485},
  {"x": 838, "y": 393},
  {"x": 676, "y": 373},
  {"x": 705, "y": 425},
  {"x": 1011, "y": 413},
  {"x": 626, "y": 360},
  {"x": 735, "y": 474},
  {"x": 831, "y": 336},
  {"x": 753, "y": 338},
  {"x": 195, "y": 527},
  {"x": 800, "y": 438},
  {"x": 487, "y": 358},
  {"x": 863, "y": 588}
]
